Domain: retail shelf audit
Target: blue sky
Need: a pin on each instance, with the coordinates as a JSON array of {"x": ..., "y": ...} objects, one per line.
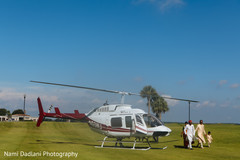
[{"x": 185, "y": 49}]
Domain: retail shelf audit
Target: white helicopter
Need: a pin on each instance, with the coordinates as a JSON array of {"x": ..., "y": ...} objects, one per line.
[{"x": 114, "y": 120}]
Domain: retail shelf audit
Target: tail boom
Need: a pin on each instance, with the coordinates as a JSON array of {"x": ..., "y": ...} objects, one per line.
[{"x": 76, "y": 115}]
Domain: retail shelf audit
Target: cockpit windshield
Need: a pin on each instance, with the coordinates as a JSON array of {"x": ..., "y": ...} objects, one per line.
[{"x": 152, "y": 121}]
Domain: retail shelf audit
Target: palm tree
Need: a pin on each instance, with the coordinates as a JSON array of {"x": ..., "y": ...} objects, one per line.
[
  {"x": 9, "y": 114},
  {"x": 148, "y": 92},
  {"x": 159, "y": 105}
]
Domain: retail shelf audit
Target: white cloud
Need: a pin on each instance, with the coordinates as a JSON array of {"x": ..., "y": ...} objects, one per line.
[
  {"x": 238, "y": 97},
  {"x": 235, "y": 85},
  {"x": 206, "y": 104},
  {"x": 163, "y": 5},
  {"x": 182, "y": 82},
  {"x": 66, "y": 99},
  {"x": 236, "y": 106},
  {"x": 11, "y": 98},
  {"x": 10, "y": 94},
  {"x": 186, "y": 81},
  {"x": 231, "y": 103},
  {"x": 222, "y": 82},
  {"x": 167, "y": 4},
  {"x": 227, "y": 103},
  {"x": 97, "y": 101},
  {"x": 138, "y": 79}
]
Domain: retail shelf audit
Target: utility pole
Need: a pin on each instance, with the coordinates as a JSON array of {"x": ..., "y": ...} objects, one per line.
[
  {"x": 189, "y": 110},
  {"x": 24, "y": 104},
  {"x": 149, "y": 106}
]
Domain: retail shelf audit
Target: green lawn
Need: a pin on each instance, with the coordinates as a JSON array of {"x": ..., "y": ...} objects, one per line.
[{"x": 77, "y": 137}]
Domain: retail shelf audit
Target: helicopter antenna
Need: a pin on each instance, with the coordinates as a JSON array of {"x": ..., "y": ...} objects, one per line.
[
  {"x": 122, "y": 98},
  {"x": 106, "y": 103}
]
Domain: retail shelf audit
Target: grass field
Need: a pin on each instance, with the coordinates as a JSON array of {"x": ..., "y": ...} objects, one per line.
[{"x": 77, "y": 137}]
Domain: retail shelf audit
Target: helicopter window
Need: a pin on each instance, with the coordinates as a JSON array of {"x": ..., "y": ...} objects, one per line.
[
  {"x": 139, "y": 120},
  {"x": 152, "y": 121},
  {"x": 116, "y": 122},
  {"x": 91, "y": 112},
  {"x": 128, "y": 120}
]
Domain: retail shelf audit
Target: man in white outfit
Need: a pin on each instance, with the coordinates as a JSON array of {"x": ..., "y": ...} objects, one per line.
[
  {"x": 190, "y": 132},
  {"x": 201, "y": 133}
]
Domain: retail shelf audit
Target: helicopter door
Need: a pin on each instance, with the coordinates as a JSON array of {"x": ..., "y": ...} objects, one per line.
[
  {"x": 140, "y": 127},
  {"x": 130, "y": 123}
]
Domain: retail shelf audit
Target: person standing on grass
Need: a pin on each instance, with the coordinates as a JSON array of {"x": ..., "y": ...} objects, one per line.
[
  {"x": 209, "y": 138},
  {"x": 185, "y": 141},
  {"x": 190, "y": 132},
  {"x": 201, "y": 133}
]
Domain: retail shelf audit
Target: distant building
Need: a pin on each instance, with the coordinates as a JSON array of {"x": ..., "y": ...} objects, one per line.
[
  {"x": 23, "y": 117},
  {"x": 19, "y": 117},
  {"x": 3, "y": 118}
]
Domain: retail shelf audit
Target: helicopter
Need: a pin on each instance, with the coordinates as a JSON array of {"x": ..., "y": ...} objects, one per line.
[{"x": 118, "y": 121}]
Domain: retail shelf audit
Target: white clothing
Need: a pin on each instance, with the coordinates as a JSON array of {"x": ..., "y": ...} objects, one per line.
[
  {"x": 189, "y": 130},
  {"x": 201, "y": 132},
  {"x": 209, "y": 138}
]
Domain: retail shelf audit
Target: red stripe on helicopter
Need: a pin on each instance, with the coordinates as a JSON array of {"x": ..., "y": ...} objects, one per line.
[
  {"x": 141, "y": 129},
  {"x": 114, "y": 130},
  {"x": 109, "y": 128},
  {"x": 104, "y": 127}
]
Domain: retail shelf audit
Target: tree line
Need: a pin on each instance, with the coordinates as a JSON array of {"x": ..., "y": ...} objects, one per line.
[{"x": 4, "y": 112}]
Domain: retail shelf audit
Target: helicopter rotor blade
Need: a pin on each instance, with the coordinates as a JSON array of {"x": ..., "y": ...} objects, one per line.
[
  {"x": 179, "y": 99},
  {"x": 73, "y": 86},
  {"x": 96, "y": 89},
  {"x": 164, "y": 97},
  {"x": 110, "y": 91}
]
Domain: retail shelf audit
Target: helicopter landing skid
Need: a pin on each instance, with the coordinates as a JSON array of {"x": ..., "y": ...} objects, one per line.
[
  {"x": 120, "y": 142},
  {"x": 141, "y": 149}
]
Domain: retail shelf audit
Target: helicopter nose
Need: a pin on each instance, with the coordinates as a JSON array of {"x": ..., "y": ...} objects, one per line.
[{"x": 164, "y": 131}]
